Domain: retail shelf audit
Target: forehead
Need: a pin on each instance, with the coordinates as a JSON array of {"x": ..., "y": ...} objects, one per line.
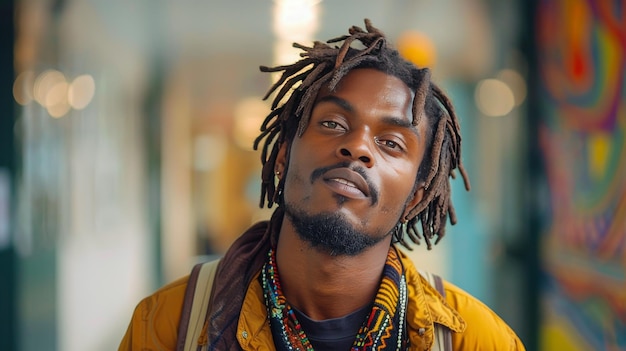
[
  {"x": 362, "y": 78},
  {"x": 371, "y": 90}
]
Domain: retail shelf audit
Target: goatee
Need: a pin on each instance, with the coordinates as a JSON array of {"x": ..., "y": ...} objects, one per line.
[{"x": 330, "y": 232}]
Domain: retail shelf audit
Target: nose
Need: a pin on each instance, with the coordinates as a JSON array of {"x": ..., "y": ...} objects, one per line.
[{"x": 357, "y": 146}]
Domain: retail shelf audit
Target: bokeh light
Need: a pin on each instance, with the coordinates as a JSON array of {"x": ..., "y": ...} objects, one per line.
[
  {"x": 296, "y": 20},
  {"x": 417, "y": 48},
  {"x": 516, "y": 83},
  {"x": 44, "y": 83},
  {"x": 494, "y": 98},
  {"x": 56, "y": 100},
  {"x": 81, "y": 91},
  {"x": 23, "y": 87}
]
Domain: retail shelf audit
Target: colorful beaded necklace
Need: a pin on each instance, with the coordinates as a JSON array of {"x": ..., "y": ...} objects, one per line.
[{"x": 384, "y": 327}]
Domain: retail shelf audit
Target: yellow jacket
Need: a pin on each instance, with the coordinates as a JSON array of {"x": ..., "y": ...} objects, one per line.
[{"x": 474, "y": 326}]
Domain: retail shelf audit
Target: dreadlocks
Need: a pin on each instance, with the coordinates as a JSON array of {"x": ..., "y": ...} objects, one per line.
[{"x": 325, "y": 65}]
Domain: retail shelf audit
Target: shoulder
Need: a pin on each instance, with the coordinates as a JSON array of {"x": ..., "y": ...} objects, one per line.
[
  {"x": 483, "y": 326},
  {"x": 155, "y": 320},
  {"x": 165, "y": 304},
  {"x": 168, "y": 300},
  {"x": 473, "y": 324}
]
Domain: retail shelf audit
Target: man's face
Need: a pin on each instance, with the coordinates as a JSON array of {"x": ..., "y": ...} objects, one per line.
[{"x": 351, "y": 175}]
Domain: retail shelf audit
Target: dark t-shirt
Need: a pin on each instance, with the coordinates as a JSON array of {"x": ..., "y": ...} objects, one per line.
[{"x": 336, "y": 334}]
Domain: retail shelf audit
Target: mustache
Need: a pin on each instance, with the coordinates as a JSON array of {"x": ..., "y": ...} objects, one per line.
[{"x": 318, "y": 172}]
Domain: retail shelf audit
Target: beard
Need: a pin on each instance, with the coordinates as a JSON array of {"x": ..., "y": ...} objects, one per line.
[{"x": 331, "y": 232}]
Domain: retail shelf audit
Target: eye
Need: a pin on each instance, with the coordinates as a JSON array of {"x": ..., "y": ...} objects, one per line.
[
  {"x": 331, "y": 124},
  {"x": 389, "y": 144}
]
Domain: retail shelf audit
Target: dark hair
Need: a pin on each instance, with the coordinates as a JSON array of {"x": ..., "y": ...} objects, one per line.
[{"x": 325, "y": 65}]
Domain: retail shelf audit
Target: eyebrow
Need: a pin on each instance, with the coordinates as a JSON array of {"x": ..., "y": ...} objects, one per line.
[
  {"x": 337, "y": 101},
  {"x": 390, "y": 120}
]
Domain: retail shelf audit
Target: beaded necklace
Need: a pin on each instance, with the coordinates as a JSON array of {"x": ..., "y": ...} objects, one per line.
[{"x": 384, "y": 326}]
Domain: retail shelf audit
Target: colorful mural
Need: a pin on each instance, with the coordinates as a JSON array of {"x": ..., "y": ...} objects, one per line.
[{"x": 582, "y": 64}]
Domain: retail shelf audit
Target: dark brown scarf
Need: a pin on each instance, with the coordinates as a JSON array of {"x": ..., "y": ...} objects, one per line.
[{"x": 243, "y": 260}]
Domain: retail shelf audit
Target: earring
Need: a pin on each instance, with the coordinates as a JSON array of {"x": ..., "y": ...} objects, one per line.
[
  {"x": 398, "y": 231},
  {"x": 277, "y": 173}
]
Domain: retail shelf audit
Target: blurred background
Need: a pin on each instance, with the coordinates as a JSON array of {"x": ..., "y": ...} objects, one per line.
[{"x": 125, "y": 153}]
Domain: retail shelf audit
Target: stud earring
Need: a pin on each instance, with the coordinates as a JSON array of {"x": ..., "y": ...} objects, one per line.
[{"x": 277, "y": 173}]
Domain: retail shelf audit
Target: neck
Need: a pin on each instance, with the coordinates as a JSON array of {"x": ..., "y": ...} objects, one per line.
[{"x": 324, "y": 286}]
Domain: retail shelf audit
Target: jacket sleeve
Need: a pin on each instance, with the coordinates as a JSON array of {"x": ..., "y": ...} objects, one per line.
[
  {"x": 154, "y": 324},
  {"x": 485, "y": 329}
]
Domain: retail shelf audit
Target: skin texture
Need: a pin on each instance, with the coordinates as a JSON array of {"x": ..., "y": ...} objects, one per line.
[{"x": 356, "y": 162}]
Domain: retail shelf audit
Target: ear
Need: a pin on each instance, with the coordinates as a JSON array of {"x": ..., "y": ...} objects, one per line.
[
  {"x": 281, "y": 159},
  {"x": 418, "y": 195}
]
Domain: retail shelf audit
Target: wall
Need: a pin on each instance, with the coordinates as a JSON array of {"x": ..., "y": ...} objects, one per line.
[{"x": 581, "y": 46}]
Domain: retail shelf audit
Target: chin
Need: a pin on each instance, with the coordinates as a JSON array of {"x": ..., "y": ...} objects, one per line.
[{"x": 331, "y": 232}]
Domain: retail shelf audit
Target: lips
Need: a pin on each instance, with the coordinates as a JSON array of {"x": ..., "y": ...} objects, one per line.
[{"x": 348, "y": 178}]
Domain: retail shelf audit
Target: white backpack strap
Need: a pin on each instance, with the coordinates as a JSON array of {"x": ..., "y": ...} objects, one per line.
[
  {"x": 195, "y": 305},
  {"x": 442, "y": 340}
]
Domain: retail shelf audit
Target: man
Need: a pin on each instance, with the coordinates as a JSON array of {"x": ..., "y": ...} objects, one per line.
[{"x": 358, "y": 158}]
